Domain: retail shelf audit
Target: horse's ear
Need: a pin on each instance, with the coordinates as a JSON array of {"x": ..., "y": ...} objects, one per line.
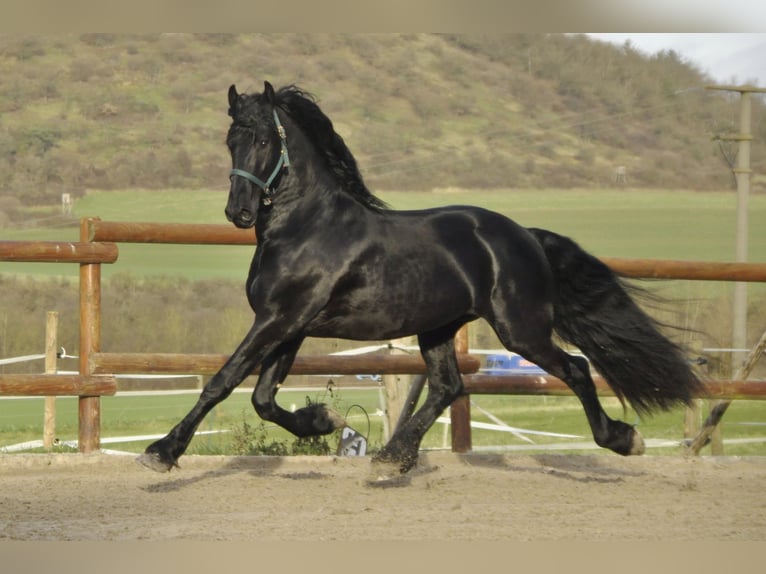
[
  {"x": 268, "y": 92},
  {"x": 233, "y": 98}
]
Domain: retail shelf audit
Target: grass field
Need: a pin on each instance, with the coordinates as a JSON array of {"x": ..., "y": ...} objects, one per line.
[
  {"x": 622, "y": 223},
  {"x": 129, "y": 415},
  {"x": 616, "y": 223}
]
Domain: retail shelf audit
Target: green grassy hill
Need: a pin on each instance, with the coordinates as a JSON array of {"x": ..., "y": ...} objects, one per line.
[{"x": 419, "y": 111}]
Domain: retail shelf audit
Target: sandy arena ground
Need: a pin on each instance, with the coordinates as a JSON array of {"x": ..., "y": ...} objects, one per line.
[{"x": 447, "y": 497}]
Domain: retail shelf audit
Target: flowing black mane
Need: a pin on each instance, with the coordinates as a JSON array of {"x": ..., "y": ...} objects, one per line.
[{"x": 302, "y": 108}]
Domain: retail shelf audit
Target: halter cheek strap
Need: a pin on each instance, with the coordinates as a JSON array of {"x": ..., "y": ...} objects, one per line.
[{"x": 284, "y": 161}]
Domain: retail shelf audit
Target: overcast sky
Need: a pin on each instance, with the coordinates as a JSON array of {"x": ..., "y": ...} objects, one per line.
[{"x": 727, "y": 58}]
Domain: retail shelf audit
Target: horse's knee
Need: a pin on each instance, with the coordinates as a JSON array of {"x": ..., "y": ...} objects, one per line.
[{"x": 216, "y": 389}]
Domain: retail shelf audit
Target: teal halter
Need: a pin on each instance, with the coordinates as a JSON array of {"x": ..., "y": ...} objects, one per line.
[{"x": 284, "y": 161}]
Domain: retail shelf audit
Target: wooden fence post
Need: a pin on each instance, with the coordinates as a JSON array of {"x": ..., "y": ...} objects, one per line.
[
  {"x": 49, "y": 416},
  {"x": 719, "y": 408},
  {"x": 692, "y": 412},
  {"x": 460, "y": 410},
  {"x": 90, "y": 342}
]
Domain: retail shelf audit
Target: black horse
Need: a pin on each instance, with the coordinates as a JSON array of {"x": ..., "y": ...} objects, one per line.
[{"x": 334, "y": 261}]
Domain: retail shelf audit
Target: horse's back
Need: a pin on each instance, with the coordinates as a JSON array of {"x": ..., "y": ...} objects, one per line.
[
  {"x": 478, "y": 238},
  {"x": 459, "y": 256},
  {"x": 457, "y": 224}
]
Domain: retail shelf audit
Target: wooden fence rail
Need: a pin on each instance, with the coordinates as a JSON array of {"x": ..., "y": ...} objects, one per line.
[
  {"x": 202, "y": 364},
  {"x": 50, "y": 385},
  {"x": 552, "y": 386},
  {"x": 97, "y": 245},
  {"x": 178, "y": 233},
  {"x": 690, "y": 270},
  {"x": 57, "y": 252}
]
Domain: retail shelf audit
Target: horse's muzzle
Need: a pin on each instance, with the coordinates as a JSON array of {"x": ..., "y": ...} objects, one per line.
[
  {"x": 244, "y": 218},
  {"x": 242, "y": 206}
]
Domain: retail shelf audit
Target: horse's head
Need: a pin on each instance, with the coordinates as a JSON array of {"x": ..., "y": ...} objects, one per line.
[{"x": 256, "y": 142}]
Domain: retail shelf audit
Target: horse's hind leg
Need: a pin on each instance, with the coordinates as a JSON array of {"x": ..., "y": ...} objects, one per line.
[
  {"x": 536, "y": 345},
  {"x": 444, "y": 386},
  {"x": 615, "y": 435},
  {"x": 312, "y": 420}
]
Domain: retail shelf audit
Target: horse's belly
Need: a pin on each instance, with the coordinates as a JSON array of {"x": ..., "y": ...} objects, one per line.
[{"x": 389, "y": 316}]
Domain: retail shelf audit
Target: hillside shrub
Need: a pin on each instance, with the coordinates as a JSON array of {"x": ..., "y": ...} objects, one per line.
[{"x": 107, "y": 100}]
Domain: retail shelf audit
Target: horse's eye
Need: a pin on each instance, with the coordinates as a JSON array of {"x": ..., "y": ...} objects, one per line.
[{"x": 263, "y": 142}]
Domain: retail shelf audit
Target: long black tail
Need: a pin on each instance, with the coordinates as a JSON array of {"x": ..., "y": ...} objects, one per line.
[{"x": 594, "y": 312}]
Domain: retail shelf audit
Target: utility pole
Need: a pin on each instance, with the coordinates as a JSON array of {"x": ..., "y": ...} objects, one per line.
[{"x": 742, "y": 174}]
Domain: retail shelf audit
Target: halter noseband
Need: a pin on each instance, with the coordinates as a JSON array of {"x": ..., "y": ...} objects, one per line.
[{"x": 284, "y": 161}]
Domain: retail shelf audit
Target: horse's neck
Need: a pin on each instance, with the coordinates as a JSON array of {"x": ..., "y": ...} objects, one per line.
[
  {"x": 308, "y": 193},
  {"x": 310, "y": 199}
]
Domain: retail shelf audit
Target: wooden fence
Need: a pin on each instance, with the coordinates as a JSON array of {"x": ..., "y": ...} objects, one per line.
[
  {"x": 548, "y": 385},
  {"x": 97, "y": 246}
]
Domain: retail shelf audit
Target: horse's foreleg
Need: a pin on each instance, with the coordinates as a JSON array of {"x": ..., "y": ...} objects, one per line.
[
  {"x": 444, "y": 386},
  {"x": 312, "y": 420},
  {"x": 163, "y": 454}
]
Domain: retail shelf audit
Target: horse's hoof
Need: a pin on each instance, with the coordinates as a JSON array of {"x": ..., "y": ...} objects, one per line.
[
  {"x": 384, "y": 469},
  {"x": 152, "y": 461},
  {"x": 625, "y": 440},
  {"x": 335, "y": 419},
  {"x": 387, "y": 474},
  {"x": 637, "y": 446},
  {"x": 317, "y": 419}
]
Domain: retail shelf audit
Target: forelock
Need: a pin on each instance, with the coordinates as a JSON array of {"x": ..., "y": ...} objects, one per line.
[{"x": 247, "y": 111}]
